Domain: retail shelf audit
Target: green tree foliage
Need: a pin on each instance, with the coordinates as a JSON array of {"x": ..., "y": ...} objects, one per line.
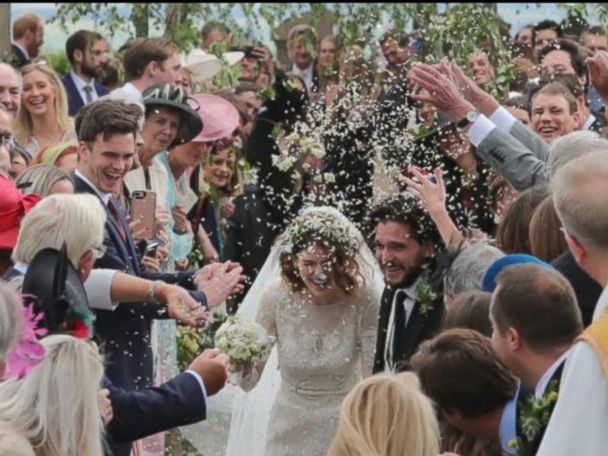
[{"x": 465, "y": 27}]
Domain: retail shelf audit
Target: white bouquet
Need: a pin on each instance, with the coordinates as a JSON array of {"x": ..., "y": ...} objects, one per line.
[{"x": 243, "y": 340}]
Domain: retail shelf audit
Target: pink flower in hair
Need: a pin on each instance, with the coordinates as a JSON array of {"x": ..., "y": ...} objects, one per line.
[{"x": 28, "y": 352}]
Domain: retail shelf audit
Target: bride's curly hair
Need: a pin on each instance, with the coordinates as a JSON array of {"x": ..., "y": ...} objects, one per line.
[{"x": 321, "y": 230}]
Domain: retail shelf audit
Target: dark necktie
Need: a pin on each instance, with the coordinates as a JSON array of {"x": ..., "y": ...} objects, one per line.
[
  {"x": 113, "y": 207},
  {"x": 400, "y": 323},
  {"x": 88, "y": 90}
]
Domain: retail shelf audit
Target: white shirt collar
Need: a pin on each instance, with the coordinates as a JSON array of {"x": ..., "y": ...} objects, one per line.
[
  {"x": 589, "y": 121},
  {"x": 105, "y": 197},
  {"x": 22, "y": 49},
  {"x": 21, "y": 267},
  {"x": 542, "y": 384},
  {"x": 306, "y": 74},
  {"x": 80, "y": 82}
]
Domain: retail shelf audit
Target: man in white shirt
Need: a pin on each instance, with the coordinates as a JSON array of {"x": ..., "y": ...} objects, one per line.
[
  {"x": 299, "y": 41},
  {"x": 580, "y": 418},
  {"x": 87, "y": 54},
  {"x": 148, "y": 61},
  {"x": 535, "y": 319}
]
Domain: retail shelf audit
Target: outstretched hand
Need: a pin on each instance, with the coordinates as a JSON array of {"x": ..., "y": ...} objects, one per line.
[
  {"x": 431, "y": 194},
  {"x": 442, "y": 91},
  {"x": 182, "y": 306},
  {"x": 220, "y": 280}
]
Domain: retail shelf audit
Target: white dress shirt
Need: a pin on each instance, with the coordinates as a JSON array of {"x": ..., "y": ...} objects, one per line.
[
  {"x": 81, "y": 84},
  {"x": 306, "y": 74}
]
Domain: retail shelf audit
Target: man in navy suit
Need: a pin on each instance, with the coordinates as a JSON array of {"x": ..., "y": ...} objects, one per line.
[
  {"x": 88, "y": 53},
  {"x": 405, "y": 241},
  {"x": 107, "y": 130}
]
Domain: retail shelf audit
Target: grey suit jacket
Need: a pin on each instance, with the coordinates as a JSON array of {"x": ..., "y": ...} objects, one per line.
[{"x": 520, "y": 156}]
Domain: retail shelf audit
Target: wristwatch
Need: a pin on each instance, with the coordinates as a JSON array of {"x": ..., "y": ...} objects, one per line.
[{"x": 468, "y": 119}]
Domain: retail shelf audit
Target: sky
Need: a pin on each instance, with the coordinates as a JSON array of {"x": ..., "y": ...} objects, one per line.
[{"x": 517, "y": 14}]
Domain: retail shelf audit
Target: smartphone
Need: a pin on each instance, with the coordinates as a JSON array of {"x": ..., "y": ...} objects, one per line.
[
  {"x": 143, "y": 208},
  {"x": 151, "y": 248}
]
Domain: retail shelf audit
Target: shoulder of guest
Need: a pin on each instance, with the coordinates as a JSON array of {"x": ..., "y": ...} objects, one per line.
[{"x": 13, "y": 443}]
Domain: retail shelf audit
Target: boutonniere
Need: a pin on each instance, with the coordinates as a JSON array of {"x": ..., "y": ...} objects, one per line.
[
  {"x": 535, "y": 415},
  {"x": 425, "y": 295}
]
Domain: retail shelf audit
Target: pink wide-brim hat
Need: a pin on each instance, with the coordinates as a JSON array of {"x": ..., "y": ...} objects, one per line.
[{"x": 220, "y": 117}]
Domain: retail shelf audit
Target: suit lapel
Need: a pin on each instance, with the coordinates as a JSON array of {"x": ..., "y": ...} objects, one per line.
[
  {"x": 422, "y": 325},
  {"x": 125, "y": 249}
]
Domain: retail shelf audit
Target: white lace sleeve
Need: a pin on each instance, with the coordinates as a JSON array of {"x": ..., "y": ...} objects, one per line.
[{"x": 266, "y": 319}]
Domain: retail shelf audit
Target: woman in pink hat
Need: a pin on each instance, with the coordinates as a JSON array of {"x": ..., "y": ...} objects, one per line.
[{"x": 220, "y": 119}]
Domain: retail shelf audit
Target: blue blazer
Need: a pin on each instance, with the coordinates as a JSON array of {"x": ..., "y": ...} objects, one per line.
[
  {"x": 75, "y": 101},
  {"x": 138, "y": 414},
  {"x": 124, "y": 333}
]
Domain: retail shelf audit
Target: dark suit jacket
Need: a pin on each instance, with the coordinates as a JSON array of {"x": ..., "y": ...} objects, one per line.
[
  {"x": 19, "y": 58},
  {"x": 530, "y": 447},
  {"x": 75, "y": 101},
  {"x": 125, "y": 331},
  {"x": 586, "y": 289},
  {"x": 420, "y": 327},
  {"x": 138, "y": 414}
]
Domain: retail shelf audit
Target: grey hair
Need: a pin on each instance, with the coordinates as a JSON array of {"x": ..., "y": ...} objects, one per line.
[
  {"x": 78, "y": 220},
  {"x": 469, "y": 267},
  {"x": 17, "y": 73},
  {"x": 10, "y": 321},
  {"x": 580, "y": 195},
  {"x": 573, "y": 145}
]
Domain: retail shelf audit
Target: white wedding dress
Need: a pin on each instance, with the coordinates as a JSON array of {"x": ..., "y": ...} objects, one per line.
[{"x": 320, "y": 354}]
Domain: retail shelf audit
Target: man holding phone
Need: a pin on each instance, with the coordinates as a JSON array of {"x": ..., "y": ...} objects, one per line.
[{"x": 106, "y": 131}]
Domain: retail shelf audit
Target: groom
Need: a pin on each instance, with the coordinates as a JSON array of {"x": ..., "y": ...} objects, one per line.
[{"x": 405, "y": 242}]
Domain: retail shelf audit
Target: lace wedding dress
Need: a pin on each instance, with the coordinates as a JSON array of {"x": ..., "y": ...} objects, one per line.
[{"x": 323, "y": 351}]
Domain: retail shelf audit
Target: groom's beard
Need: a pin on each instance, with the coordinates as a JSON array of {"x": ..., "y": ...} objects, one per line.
[{"x": 411, "y": 273}]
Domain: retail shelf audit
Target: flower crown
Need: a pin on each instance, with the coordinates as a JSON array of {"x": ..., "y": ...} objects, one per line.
[{"x": 324, "y": 226}]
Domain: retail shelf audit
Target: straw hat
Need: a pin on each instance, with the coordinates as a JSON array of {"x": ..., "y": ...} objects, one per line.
[{"x": 204, "y": 66}]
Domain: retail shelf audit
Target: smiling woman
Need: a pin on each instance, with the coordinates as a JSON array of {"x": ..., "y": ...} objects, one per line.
[{"x": 43, "y": 119}]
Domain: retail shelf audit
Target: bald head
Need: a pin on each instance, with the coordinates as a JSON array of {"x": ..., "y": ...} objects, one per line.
[{"x": 10, "y": 89}]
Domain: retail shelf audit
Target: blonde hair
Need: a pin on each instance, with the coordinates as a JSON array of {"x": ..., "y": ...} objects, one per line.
[
  {"x": 580, "y": 195},
  {"x": 56, "y": 406},
  {"x": 10, "y": 321},
  {"x": 23, "y": 127},
  {"x": 78, "y": 220},
  {"x": 386, "y": 415},
  {"x": 41, "y": 179}
]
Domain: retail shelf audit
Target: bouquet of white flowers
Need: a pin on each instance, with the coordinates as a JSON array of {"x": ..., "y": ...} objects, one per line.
[{"x": 243, "y": 340}]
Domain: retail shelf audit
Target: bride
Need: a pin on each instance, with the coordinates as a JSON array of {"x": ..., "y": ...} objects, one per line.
[{"x": 318, "y": 294}]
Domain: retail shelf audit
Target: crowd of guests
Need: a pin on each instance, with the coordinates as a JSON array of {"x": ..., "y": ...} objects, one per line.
[{"x": 485, "y": 216}]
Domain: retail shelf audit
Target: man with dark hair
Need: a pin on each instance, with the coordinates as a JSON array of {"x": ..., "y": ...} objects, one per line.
[
  {"x": 411, "y": 310},
  {"x": 87, "y": 55},
  {"x": 535, "y": 320},
  {"x": 395, "y": 48},
  {"x": 28, "y": 36},
  {"x": 563, "y": 56},
  {"x": 473, "y": 389},
  {"x": 148, "y": 61},
  {"x": 212, "y": 32},
  {"x": 544, "y": 33},
  {"x": 106, "y": 131},
  {"x": 594, "y": 39}
]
